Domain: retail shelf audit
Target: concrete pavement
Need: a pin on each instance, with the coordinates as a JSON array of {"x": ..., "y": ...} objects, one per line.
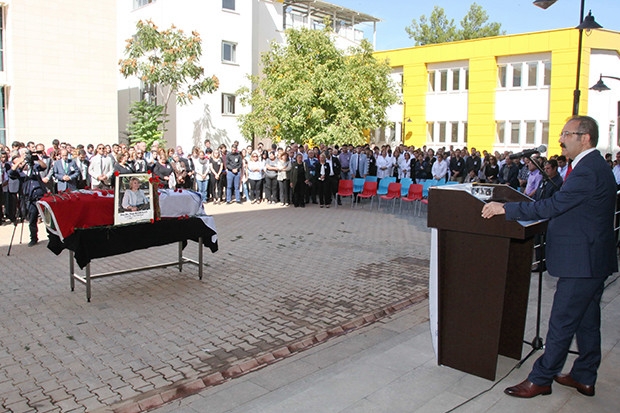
[
  {"x": 389, "y": 366},
  {"x": 284, "y": 279}
]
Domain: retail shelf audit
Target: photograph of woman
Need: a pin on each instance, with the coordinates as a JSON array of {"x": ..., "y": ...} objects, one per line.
[{"x": 134, "y": 198}]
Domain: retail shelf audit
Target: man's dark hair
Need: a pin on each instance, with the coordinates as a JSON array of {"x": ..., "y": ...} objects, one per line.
[
  {"x": 588, "y": 125},
  {"x": 561, "y": 158},
  {"x": 553, "y": 163}
]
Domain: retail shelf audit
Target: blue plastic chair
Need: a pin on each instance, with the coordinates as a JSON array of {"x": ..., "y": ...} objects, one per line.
[
  {"x": 405, "y": 184},
  {"x": 383, "y": 185},
  {"x": 427, "y": 184},
  {"x": 451, "y": 183},
  {"x": 371, "y": 178},
  {"x": 358, "y": 185}
]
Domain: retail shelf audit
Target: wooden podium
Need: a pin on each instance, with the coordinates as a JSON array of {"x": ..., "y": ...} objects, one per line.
[{"x": 482, "y": 269}]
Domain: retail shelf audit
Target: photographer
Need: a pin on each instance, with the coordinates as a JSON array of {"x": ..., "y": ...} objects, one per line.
[{"x": 26, "y": 168}]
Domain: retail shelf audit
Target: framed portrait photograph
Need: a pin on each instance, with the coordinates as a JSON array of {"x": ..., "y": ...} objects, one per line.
[{"x": 133, "y": 199}]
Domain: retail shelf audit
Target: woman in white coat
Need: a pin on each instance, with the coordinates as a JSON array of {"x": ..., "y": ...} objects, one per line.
[
  {"x": 404, "y": 165},
  {"x": 384, "y": 164}
]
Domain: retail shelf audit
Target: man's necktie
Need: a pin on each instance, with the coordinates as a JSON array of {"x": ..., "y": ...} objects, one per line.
[{"x": 568, "y": 171}]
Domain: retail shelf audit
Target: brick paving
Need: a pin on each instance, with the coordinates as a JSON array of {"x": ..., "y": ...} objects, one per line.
[{"x": 284, "y": 279}]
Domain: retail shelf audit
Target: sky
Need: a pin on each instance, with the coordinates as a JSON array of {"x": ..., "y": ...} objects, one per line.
[{"x": 515, "y": 16}]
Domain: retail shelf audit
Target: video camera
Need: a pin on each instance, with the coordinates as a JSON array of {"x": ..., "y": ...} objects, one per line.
[{"x": 30, "y": 156}]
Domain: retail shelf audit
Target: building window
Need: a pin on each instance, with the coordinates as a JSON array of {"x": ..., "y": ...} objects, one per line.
[
  {"x": 430, "y": 131},
  {"x": 524, "y": 74},
  {"x": 139, "y": 3},
  {"x": 515, "y": 127},
  {"x": 442, "y": 131},
  {"x": 466, "y": 79},
  {"x": 465, "y": 132},
  {"x": 545, "y": 132},
  {"x": 501, "y": 75},
  {"x": 431, "y": 81},
  {"x": 532, "y": 73},
  {"x": 500, "y": 132},
  {"x": 530, "y": 132},
  {"x": 228, "y": 4},
  {"x": 454, "y": 132},
  {"x": 547, "y": 80},
  {"x": 229, "y": 52},
  {"x": 443, "y": 86},
  {"x": 2, "y": 116},
  {"x": 516, "y": 75},
  {"x": 452, "y": 79},
  {"x": 456, "y": 79},
  {"x": 228, "y": 104}
]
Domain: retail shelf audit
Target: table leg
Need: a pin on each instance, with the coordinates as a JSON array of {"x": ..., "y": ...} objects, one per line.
[
  {"x": 71, "y": 271},
  {"x": 180, "y": 256},
  {"x": 200, "y": 258},
  {"x": 88, "y": 282}
]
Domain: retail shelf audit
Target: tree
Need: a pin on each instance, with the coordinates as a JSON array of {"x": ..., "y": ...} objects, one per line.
[
  {"x": 147, "y": 122},
  {"x": 438, "y": 29},
  {"x": 312, "y": 91},
  {"x": 474, "y": 26},
  {"x": 169, "y": 59}
]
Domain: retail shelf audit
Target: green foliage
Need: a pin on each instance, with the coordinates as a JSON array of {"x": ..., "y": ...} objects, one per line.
[
  {"x": 147, "y": 122},
  {"x": 170, "y": 59},
  {"x": 312, "y": 91},
  {"x": 439, "y": 29},
  {"x": 474, "y": 25}
]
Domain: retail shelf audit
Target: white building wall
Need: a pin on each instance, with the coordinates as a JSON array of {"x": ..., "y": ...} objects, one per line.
[
  {"x": 446, "y": 107},
  {"x": 266, "y": 28},
  {"x": 251, "y": 26},
  {"x": 60, "y": 71},
  {"x": 604, "y": 106}
]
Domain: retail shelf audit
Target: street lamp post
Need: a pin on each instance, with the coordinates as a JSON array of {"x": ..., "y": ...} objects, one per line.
[
  {"x": 600, "y": 86},
  {"x": 584, "y": 24}
]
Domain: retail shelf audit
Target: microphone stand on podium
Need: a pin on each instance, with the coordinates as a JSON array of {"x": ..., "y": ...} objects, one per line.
[{"x": 537, "y": 342}]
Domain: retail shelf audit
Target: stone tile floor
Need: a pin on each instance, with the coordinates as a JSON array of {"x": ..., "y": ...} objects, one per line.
[{"x": 283, "y": 280}]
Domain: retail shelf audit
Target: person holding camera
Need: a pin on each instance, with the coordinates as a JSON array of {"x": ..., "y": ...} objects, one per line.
[{"x": 25, "y": 169}]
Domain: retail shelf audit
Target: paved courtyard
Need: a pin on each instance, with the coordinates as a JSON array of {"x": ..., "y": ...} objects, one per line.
[{"x": 284, "y": 279}]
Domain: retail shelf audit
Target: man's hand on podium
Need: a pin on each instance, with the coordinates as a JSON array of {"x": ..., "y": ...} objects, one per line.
[{"x": 493, "y": 208}]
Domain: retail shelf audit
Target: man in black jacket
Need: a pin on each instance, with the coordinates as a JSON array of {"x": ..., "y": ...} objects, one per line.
[
  {"x": 234, "y": 163},
  {"x": 25, "y": 168},
  {"x": 334, "y": 174}
]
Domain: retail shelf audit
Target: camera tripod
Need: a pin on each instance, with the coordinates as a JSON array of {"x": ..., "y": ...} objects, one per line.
[{"x": 20, "y": 215}]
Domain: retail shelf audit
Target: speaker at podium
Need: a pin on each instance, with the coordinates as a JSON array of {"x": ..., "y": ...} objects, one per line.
[{"x": 479, "y": 277}]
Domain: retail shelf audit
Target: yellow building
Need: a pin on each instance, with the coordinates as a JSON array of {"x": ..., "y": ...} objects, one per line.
[{"x": 505, "y": 92}]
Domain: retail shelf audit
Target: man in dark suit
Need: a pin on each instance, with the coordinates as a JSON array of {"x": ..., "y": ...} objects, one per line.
[
  {"x": 334, "y": 174},
  {"x": 581, "y": 252},
  {"x": 66, "y": 172},
  {"x": 509, "y": 173}
]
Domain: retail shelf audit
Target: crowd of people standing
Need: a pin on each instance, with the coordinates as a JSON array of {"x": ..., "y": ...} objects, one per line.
[{"x": 295, "y": 174}]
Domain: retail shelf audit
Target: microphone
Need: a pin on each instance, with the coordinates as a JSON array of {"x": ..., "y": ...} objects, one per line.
[{"x": 528, "y": 152}]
